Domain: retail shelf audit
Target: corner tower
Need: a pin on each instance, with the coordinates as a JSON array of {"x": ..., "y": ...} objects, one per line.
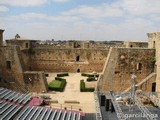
[
  {"x": 1, "y": 37},
  {"x": 154, "y": 42}
]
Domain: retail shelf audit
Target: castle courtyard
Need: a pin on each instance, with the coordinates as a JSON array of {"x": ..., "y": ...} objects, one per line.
[{"x": 72, "y": 94}]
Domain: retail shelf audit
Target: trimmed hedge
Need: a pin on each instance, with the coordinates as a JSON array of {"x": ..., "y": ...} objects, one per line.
[
  {"x": 58, "y": 88},
  {"x": 58, "y": 78},
  {"x": 89, "y": 75},
  {"x": 62, "y": 74},
  {"x": 83, "y": 88},
  {"x": 84, "y": 74},
  {"x": 91, "y": 79}
]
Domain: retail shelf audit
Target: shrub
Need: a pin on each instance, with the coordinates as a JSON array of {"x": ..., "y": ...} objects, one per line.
[
  {"x": 62, "y": 74},
  {"x": 91, "y": 79},
  {"x": 57, "y": 85},
  {"x": 63, "y": 84},
  {"x": 58, "y": 78},
  {"x": 97, "y": 75},
  {"x": 82, "y": 86},
  {"x": 84, "y": 74},
  {"x": 89, "y": 75},
  {"x": 83, "y": 89}
]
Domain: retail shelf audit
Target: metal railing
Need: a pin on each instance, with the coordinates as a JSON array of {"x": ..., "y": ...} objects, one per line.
[
  {"x": 143, "y": 109},
  {"x": 98, "y": 111},
  {"x": 118, "y": 110}
]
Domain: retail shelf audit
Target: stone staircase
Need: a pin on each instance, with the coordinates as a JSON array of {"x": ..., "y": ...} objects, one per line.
[
  {"x": 108, "y": 70},
  {"x": 142, "y": 82}
]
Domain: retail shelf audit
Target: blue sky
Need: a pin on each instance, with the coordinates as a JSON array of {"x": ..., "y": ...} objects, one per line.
[{"x": 80, "y": 19}]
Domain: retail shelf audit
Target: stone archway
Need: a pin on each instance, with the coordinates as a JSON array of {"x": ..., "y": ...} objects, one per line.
[{"x": 78, "y": 70}]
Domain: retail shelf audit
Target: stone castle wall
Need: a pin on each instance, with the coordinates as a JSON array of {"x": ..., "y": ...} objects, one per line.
[
  {"x": 66, "y": 60},
  {"x": 12, "y": 67},
  {"x": 35, "y": 81},
  {"x": 10, "y": 64},
  {"x": 1, "y": 37},
  {"x": 154, "y": 42},
  {"x": 129, "y": 61}
]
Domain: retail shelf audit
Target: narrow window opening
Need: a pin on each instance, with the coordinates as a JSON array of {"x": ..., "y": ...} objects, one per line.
[
  {"x": 8, "y": 64},
  {"x": 154, "y": 87},
  {"x": 27, "y": 45},
  {"x": 154, "y": 44},
  {"x": 139, "y": 66},
  {"x": 77, "y": 58}
]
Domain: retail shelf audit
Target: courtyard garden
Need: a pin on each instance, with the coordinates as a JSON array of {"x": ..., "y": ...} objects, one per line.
[{"x": 59, "y": 83}]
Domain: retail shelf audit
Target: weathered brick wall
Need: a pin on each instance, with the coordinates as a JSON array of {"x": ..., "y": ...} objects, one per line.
[
  {"x": 66, "y": 60},
  {"x": 15, "y": 71},
  {"x": 154, "y": 42},
  {"x": 35, "y": 81},
  {"x": 128, "y": 61},
  {"x": 1, "y": 37},
  {"x": 147, "y": 86}
]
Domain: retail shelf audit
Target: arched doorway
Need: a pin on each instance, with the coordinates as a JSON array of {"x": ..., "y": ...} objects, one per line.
[
  {"x": 78, "y": 70},
  {"x": 154, "y": 87}
]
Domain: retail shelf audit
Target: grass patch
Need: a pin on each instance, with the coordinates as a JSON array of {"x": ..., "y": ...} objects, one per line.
[{"x": 55, "y": 84}]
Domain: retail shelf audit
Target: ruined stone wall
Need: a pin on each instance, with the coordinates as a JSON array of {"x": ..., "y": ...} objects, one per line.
[
  {"x": 35, "y": 81},
  {"x": 154, "y": 42},
  {"x": 10, "y": 64},
  {"x": 136, "y": 44},
  {"x": 68, "y": 60},
  {"x": 148, "y": 85},
  {"x": 12, "y": 71},
  {"x": 1, "y": 37},
  {"x": 128, "y": 61},
  {"x": 23, "y": 44}
]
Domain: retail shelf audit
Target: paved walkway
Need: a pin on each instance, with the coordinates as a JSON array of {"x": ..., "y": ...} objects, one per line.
[{"x": 72, "y": 93}]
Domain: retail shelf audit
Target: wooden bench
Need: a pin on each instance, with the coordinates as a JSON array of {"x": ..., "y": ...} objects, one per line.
[{"x": 72, "y": 101}]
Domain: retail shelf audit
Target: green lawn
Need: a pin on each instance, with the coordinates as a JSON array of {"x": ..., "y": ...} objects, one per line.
[{"x": 55, "y": 84}]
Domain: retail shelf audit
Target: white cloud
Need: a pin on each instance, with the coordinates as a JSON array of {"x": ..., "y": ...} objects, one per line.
[
  {"x": 39, "y": 16},
  {"x": 101, "y": 11},
  {"x": 74, "y": 23},
  {"x": 29, "y": 16},
  {"x": 3, "y": 9},
  {"x": 23, "y": 3},
  {"x": 61, "y": 1},
  {"x": 141, "y": 7},
  {"x": 131, "y": 29}
]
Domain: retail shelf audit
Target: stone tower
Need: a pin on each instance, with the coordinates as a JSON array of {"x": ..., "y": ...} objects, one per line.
[
  {"x": 154, "y": 42},
  {"x": 1, "y": 37}
]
